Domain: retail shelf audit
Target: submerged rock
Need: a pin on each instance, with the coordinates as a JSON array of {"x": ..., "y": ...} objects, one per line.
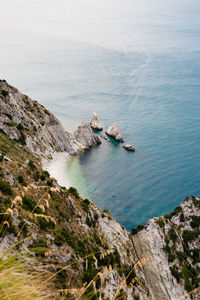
[
  {"x": 95, "y": 122},
  {"x": 113, "y": 131},
  {"x": 129, "y": 147},
  {"x": 104, "y": 137}
]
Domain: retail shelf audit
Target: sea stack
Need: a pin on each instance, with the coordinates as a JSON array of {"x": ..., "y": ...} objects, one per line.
[
  {"x": 128, "y": 147},
  {"x": 113, "y": 131},
  {"x": 95, "y": 122}
]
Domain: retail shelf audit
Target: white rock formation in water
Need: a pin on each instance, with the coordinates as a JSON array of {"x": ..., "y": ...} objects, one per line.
[
  {"x": 113, "y": 131},
  {"x": 129, "y": 147},
  {"x": 95, "y": 122}
]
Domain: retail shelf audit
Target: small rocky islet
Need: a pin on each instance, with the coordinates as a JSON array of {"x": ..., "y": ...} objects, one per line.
[{"x": 112, "y": 131}]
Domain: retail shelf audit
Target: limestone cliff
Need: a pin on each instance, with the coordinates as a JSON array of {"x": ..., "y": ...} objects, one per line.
[
  {"x": 172, "y": 244},
  {"x": 33, "y": 125}
]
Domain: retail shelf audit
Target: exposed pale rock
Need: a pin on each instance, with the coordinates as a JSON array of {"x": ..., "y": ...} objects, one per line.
[
  {"x": 129, "y": 147},
  {"x": 27, "y": 121},
  {"x": 150, "y": 242},
  {"x": 95, "y": 122},
  {"x": 113, "y": 131}
]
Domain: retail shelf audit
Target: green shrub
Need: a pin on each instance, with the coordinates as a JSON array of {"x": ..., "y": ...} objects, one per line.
[
  {"x": 182, "y": 218},
  {"x": 44, "y": 224},
  {"x": 134, "y": 231},
  {"x": 172, "y": 235},
  {"x": 176, "y": 211},
  {"x": 81, "y": 248},
  {"x": 182, "y": 256},
  {"x": 188, "y": 285},
  {"x": 171, "y": 257},
  {"x": 4, "y": 93},
  {"x": 50, "y": 183},
  {"x": 12, "y": 123},
  {"x": 22, "y": 139},
  {"x": 97, "y": 239},
  {"x": 31, "y": 165},
  {"x": 73, "y": 192},
  {"x": 68, "y": 237},
  {"x": 137, "y": 229},
  {"x": 160, "y": 222},
  {"x": 196, "y": 202},
  {"x": 167, "y": 249},
  {"x": 20, "y": 126},
  {"x": 21, "y": 179},
  {"x": 42, "y": 178},
  {"x": 89, "y": 275},
  {"x": 189, "y": 236},
  {"x": 1, "y": 158},
  {"x": 5, "y": 188},
  {"x": 195, "y": 223},
  {"x": 85, "y": 205},
  {"x": 30, "y": 205},
  {"x": 132, "y": 275},
  {"x": 89, "y": 222},
  {"x": 175, "y": 273},
  {"x": 12, "y": 229},
  {"x": 46, "y": 174},
  {"x": 140, "y": 227}
]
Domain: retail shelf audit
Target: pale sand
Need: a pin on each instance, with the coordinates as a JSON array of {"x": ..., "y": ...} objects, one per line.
[{"x": 57, "y": 168}]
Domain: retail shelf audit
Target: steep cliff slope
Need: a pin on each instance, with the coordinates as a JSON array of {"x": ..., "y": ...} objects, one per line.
[
  {"x": 172, "y": 244},
  {"x": 28, "y": 122},
  {"x": 89, "y": 254}
]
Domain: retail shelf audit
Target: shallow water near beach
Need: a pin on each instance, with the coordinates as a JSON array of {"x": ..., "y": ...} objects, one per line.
[{"x": 134, "y": 63}]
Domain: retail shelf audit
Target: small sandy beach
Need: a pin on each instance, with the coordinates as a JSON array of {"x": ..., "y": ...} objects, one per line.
[{"x": 57, "y": 168}]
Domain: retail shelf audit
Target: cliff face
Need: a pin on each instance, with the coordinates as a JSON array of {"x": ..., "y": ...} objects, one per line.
[
  {"x": 33, "y": 125},
  {"x": 172, "y": 245},
  {"x": 70, "y": 235}
]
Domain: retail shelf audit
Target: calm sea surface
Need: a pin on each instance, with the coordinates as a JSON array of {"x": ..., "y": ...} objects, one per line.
[{"x": 136, "y": 63}]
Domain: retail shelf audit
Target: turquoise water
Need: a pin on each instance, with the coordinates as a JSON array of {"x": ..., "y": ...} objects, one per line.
[{"x": 137, "y": 64}]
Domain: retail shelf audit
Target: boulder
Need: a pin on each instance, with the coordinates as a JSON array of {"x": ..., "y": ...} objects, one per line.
[
  {"x": 129, "y": 147},
  {"x": 95, "y": 122},
  {"x": 113, "y": 131}
]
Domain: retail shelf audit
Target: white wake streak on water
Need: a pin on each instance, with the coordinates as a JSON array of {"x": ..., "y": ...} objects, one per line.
[{"x": 139, "y": 84}]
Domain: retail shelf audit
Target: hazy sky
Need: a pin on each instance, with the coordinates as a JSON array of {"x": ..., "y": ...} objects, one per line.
[{"x": 96, "y": 21}]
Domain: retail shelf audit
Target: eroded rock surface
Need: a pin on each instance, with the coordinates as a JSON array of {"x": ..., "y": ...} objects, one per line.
[
  {"x": 33, "y": 125},
  {"x": 113, "y": 131},
  {"x": 129, "y": 147},
  {"x": 95, "y": 124}
]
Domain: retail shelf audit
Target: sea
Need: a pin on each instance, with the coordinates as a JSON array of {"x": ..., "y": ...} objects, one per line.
[{"x": 133, "y": 62}]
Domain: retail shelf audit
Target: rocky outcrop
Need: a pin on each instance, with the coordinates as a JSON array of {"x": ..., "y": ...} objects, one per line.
[
  {"x": 95, "y": 122},
  {"x": 129, "y": 147},
  {"x": 171, "y": 243},
  {"x": 31, "y": 124},
  {"x": 113, "y": 131}
]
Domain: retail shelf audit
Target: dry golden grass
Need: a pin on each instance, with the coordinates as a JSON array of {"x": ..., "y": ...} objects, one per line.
[{"x": 17, "y": 283}]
